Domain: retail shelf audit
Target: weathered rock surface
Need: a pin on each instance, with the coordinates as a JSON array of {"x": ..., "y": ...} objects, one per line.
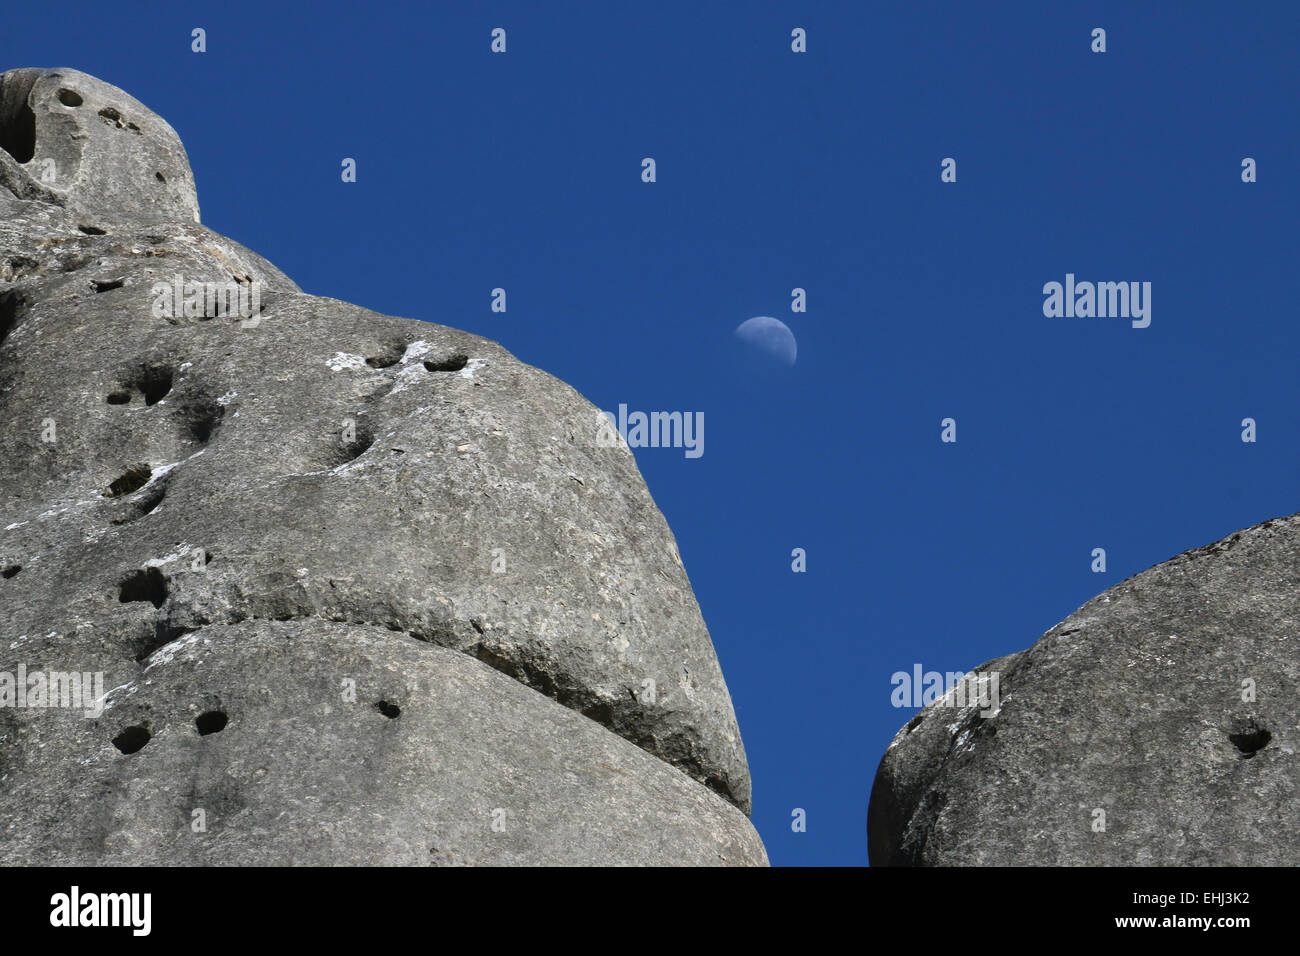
[
  {"x": 1139, "y": 705},
  {"x": 440, "y": 760},
  {"x": 338, "y": 485}
]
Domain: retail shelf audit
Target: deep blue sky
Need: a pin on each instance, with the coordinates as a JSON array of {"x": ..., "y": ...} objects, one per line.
[{"x": 819, "y": 170}]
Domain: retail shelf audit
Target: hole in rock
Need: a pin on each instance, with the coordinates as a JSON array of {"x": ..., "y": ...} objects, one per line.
[
  {"x": 150, "y": 502},
  {"x": 212, "y": 722},
  {"x": 352, "y": 446},
  {"x": 18, "y": 129},
  {"x": 146, "y": 504},
  {"x": 154, "y": 382},
  {"x": 160, "y": 177},
  {"x": 132, "y": 480},
  {"x": 131, "y": 740},
  {"x": 1250, "y": 739},
  {"x": 111, "y": 114},
  {"x": 202, "y": 418},
  {"x": 147, "y": 585},
  {"x": 389, "y": 710},
  {"x": 11, "y": 571},
  {"x": 453, "y": 364},
  {"x": 107, "y": 285},
  {"x": 93, "y": 230},
  {"x": 70, "y": 98},
  {"x": 388, "y": 357},
  {"x": 11, "y": 304}
]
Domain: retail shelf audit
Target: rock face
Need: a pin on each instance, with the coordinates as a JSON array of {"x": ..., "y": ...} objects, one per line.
[
  {"x": 1166, "y": 710},
  {"x": 437, "y": 618}
]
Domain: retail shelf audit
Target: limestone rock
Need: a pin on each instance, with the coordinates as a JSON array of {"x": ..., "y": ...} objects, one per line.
[
  {"x": 167, "y": 473},
  {"x": 76, "y": 142},
  {"x": 438, "y": 761},
  {"x": 1134, "y": 714}
]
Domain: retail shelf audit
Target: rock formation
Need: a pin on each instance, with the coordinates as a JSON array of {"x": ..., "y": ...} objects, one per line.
[
  {"x": 1157, "y": 725},
  {"x": 363, "y": 589}
]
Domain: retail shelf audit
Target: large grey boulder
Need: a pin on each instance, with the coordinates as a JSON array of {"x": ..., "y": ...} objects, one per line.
[
  {"x": 437, "y": 760},
  {"x": 1159, "y": 724},
  {"x": 338, "y": 485}
]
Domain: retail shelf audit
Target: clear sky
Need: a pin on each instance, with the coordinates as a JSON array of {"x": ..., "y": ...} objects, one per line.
[{"x": 821, "y": 170}]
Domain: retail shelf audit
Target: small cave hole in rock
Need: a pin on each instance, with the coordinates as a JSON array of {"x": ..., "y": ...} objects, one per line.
[
  {"x": 131, "y": 740},
  {"x": 93, "y": 230},
  {"x": 11, "y": 304},
  {"x": 11, "y": 571},
  {"x": 1251, "y": 739},
  {"x": 155, "y": 382},
  {"x": 160, "y": 177},
  {"x": 146, "y": 585},
  {"x": 211, "y": 722},
  {"x": 18, "y": 128},
  {"x": 70, "y": 98},
  {"x": 149, "y": 503},
  {"x": 353, "y": 443},
  {"x": 133, "y": 479},
  {"x": 453, "y": 364},
  {"x": 107, "y": 285},
  {"x": 146, "y": 503},
  {"x": 388, "y": 709},
  {"x": 202, "y": 418},
  {"x": 388, "y": 357}
]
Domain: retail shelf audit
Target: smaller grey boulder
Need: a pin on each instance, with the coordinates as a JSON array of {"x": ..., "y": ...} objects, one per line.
[{"x": 1159, "y": 724}]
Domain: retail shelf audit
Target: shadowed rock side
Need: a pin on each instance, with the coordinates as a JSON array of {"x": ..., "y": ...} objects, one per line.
[
  {"x": 252, "y": 515},
  {"x": 1166, "y": 710}
]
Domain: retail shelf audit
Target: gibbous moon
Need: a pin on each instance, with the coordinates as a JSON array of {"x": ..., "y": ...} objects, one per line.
[{"x": 769, "y": 335}]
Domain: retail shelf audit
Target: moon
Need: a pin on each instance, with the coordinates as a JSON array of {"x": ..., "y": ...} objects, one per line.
[{"x": 769, "y": 335}]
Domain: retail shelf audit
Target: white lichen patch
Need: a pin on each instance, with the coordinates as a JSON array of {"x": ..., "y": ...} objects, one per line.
[
  {"x": 406, "y": 376},
  {"x": 471, "y": 367},
  {"x": 347, "y": 468},
  {"x": 415, "y": 350},
  {"x": 109, "y": 699},
  {"x": 183, "y": 551},
  {"x": 167, "y": 653},
  {"x": 343, "y": 361}
]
